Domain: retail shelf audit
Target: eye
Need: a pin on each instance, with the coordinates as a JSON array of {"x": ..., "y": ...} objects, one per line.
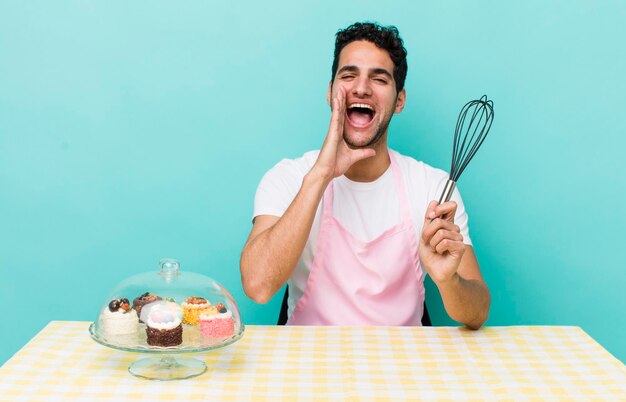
[
  {"x": 347, "y": 77},
  {"x": 380, "y": 80}
]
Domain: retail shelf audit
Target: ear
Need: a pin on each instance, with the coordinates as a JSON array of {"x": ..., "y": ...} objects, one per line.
[
  {"x": 328, "y": 92},
  {"x": 400, "y": 101}
]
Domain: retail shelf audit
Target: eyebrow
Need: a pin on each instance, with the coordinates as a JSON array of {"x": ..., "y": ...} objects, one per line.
[
  {"x": 376, "y": 71},
  {"x": 372, "y": 71}
]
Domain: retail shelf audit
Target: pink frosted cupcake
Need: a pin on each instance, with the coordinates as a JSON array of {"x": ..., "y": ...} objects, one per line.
[{"x": 219, "y": 324}]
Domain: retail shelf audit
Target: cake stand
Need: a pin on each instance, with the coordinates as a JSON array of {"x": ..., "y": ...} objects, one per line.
[
  {"x": 163, "y": 366},
  {"x": 182, "y": 289}
]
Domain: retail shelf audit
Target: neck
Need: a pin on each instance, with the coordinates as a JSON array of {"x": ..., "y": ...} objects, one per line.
[{"x": 370, "y": 169}]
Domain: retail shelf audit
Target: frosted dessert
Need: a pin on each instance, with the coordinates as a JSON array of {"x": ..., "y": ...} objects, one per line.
[
  {"x": 163, "y": 323},
  {"x": 118, "y": 318},
  {"x": 218, "y": 324},
  {"x": 193, "y": 307},
  {"x": 143, "y": 300}
]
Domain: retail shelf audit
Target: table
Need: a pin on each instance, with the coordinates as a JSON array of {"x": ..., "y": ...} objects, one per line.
[{"x": 312, "y": 363}]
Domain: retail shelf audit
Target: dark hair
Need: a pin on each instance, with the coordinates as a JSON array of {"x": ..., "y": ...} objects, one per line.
[{"x": 385, "y": 37}]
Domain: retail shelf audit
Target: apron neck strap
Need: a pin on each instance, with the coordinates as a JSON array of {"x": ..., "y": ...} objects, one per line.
[{"x": 400, "y": 190}]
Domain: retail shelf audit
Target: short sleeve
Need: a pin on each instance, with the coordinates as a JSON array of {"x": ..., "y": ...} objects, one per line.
[{"x": 278, "y": 188}]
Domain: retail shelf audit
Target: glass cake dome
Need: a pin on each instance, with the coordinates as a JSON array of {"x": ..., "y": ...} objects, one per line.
[{"x": 167, "y": 311}]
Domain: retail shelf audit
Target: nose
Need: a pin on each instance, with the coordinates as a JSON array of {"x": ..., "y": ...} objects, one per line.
[{"x": 362, "y": 87}]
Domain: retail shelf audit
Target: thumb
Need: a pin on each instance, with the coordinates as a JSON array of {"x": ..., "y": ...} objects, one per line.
[
  {"x": 430, "y": 212},
  {"x": 359, "y": 154}
]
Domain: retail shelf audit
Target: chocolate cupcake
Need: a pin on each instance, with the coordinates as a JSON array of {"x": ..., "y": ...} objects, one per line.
[
  {"x": 142, "y": 300},
  {"x": 163, "y": 323}
]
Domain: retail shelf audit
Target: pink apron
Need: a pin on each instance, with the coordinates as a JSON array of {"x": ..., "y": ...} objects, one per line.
[{"x": 353, "y": 282}]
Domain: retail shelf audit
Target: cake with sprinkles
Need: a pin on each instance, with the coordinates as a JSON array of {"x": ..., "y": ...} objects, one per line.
[{"x": 217, "y": 324}]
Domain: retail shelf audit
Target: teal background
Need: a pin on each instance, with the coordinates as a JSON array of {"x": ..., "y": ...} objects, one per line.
[{"x": 132, "y": 131}]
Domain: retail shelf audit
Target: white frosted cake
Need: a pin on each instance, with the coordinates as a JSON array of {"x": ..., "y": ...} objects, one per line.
[{"x": 118, "y": 318}]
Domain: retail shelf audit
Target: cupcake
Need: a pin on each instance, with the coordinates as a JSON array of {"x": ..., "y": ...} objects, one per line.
[
  {"x": 193, "y": 307},
  {"x": 163, "y": 323},
  {"x": 118, "y": 318},
  {"x": 218, "y": 324},
  {"x": 142, "y": 300}
]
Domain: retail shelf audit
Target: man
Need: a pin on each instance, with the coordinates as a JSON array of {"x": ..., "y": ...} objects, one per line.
[{"x": 350, "y": 227}]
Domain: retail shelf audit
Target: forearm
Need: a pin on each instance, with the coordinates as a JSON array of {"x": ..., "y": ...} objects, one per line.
[
  {"x": 466, "y": 300},
  {"x": 269, "y": 258}
]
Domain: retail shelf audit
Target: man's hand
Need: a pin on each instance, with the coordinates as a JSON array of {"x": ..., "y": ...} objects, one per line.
[
  {"x": 441, "y": 243},
  {"x": 453, "y": 267},
  {"x": 336, "y": 156}
]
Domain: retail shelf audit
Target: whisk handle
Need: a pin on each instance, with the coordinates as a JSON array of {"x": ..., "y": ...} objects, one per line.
[{"x": 447, "y": 191}]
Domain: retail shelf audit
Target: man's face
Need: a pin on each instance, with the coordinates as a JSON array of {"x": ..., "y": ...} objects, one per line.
[{"x": 365, "y": 72}]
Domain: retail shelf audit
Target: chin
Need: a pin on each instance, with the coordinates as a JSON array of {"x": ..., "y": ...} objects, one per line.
[
  {"x": 364, "y": 139},
  {"x": 357, "y": 141}
]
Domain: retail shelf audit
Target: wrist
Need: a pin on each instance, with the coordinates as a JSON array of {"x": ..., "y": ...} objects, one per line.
[
  {"x": 317, "y": 177},
  {"x": 446, "y": 283}
]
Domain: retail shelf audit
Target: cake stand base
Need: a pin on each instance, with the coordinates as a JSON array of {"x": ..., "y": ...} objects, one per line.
[{"x": 167, "y": 368}]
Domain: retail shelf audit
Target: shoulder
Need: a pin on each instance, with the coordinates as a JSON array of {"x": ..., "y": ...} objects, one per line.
[
  {"x": 288, "y": 173},
  {"x": 281, "y": 183}
]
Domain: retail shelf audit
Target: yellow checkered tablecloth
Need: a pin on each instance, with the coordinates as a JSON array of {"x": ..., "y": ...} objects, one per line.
[{"x": 62, "y": 363}]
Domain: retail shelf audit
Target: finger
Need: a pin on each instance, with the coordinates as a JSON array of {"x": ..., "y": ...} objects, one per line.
[
  {"x": 339, "y": 113},
  {"x": 447, "y": 210},
  {"x": 335, "y": 130},
  {"x": 431, "y": 211},
  {"x": 335, "y": 118},
  {"x": 442, "y": 235},
  {"x": 431, "y": 227},
  {"x": 427, "y": 230},
  {"x": 450, "y": 246},
  {"x": 340, "y": 93}
]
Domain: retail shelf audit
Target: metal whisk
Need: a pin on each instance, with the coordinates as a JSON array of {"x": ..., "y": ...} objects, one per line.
[{"x": 471, "y": 130}]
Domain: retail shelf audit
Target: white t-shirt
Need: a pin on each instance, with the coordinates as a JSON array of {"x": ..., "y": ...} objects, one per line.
[{"x": 365, "y": 209}]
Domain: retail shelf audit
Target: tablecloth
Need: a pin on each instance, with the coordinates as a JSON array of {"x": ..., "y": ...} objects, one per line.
[{"x": 63, "y": 363}]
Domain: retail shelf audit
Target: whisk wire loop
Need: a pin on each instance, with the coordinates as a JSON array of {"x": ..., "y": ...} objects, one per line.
[{"x": 468, "y": 137}]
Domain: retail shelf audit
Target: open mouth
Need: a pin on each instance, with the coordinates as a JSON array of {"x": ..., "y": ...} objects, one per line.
[{"x": 360, "y": 114}]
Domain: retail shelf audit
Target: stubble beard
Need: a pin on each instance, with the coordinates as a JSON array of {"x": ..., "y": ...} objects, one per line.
[{"x": 380, "y": 132}]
